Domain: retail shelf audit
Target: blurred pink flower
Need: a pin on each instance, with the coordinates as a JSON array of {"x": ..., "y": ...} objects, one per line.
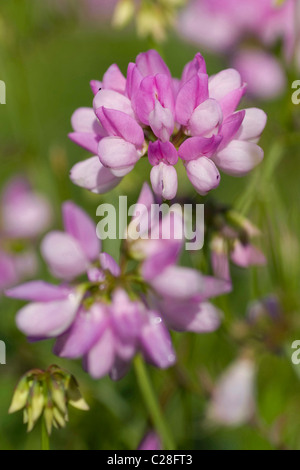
[
  {"x": 233, "y": 399},
  {"x": 151, "y": 441},
  {"x": 222, "y": 26},
  {"x": 24, "y": 213},
  {"x": 102, "y": 318},
  {"x": 194, "y": 118},
  {"x": 24, "y": 216}
]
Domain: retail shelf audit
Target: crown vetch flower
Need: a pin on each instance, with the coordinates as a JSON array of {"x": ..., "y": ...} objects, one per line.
[
  {"x": 149, "y": 111},
  {"x": 115, "y": 312}
]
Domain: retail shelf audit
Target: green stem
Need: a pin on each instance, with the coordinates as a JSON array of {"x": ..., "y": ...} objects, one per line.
[
  {"x": 152, "y": 404},
  {"x": 45, "y": 444}
]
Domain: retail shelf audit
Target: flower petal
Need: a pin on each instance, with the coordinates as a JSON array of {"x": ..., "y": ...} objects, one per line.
[
  {"x": 156, "y": 343},
  {"x": 85, "y": 331},
  {"x": 178, "y": 283},
  {"x": 107, "y": 262},
  {"x": 161, "y": 121},
  {"x": 238, "y": 158},
  {"x": 224, "y": 83},
  {"x": 119, "y": 124},
  {"x": 206, "y": 119},
  {"x": 190, "y": 95},
  {"x": 100, "y": 358},
  {"x": 113, "y": 79},
  {"x": 47, "y": 319},
  {"x": 247, "y": 255},
  {"x": 82, "y": 228},
  {"x": 254, "y": 122},
  {"x": 38, "y": 291},
  {"x": 64, "y": 255},
  {"x": 203, "y": 174},
  {"x": 92, "y": 175},
  {"x": 86, "y": 140},
  {"x": 197, "y": 65},
  {"x": 164, "y": 181},
  {"x": 84, "y": 120},
  {"x": 117, "y": 154},
  {"x": 151, "y": 63},
  {"x": 196, "y": 147},
  {"x": 112, "y": 100},
  {"x": 230, "y": 127}
]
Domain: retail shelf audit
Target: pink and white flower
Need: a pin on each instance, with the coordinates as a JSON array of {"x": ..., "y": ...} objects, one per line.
[{"x": 194, "y": 120}]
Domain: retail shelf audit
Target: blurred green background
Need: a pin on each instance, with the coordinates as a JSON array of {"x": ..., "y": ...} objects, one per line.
[{"x": 47, "y": 58}]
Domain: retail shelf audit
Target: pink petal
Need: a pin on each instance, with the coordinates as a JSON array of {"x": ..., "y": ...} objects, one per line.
[
  {"x": 112, "y": 100},
  {"x": 47, "y": 319},
  {"x": 100, "y": 358},
  {"x": 254, "y": 122},
  {"x": 95, "y": 86},
  {"x": 190, "y": 95},
  {"x": 119, "y": 124},
  {"x": 224, "y": 83},
  {"x": 156, "y": 343},
  {"x": 82, "y": 228},
  {"x": 238, "y": 158},
  {"x": 86, "y": 140},
  {"x": 161, "y": 121},
  {"x": 84, "y": 120},
  {"x": 195, "y": 316},
  {"x": 38, "y": 291},
  {"x": 196, "y": 147},
  {"x": 134, "y": 78},
  {"x": 64, "y": 255},
  {"x": 233, "y": 401},
  {"x": 206, "y": 119},
  {"x": 231, "y": 101},
  {"x": 92, "y": 175},
  {"x": 86, "y": 329},
  {"x": 197, "y": 65},
  {"x": 162, "y": 152},
  {"x": 164, "y": 254},
  {"x": 178, "y": 283},
  {"x": 203, "y": 174},
  {"x": 8, "y": 272},
  {"x": 113, "y": 79},
  {"x": 117, "y": 154},
  {"x": 256, "y": 68},
  {"x": 247, "y": 255},
  {"x": 151, "y": 63},
  {"x": 107, "y": 262},
  {"x": 230, "y": 127},
  {"x": 164, "y": 181},
  {"x": 126, "y": 316},
  {"x": 25, "y": 214},
  {"x": 150, "y": 442}
]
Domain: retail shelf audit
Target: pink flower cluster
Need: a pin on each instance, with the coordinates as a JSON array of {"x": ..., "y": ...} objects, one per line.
[
  {"x": 104, "y": 318},
  {"x": 194, "y": 119},
  {"x": 24, "y": 216},
  {"x": 226, "y": 26}
]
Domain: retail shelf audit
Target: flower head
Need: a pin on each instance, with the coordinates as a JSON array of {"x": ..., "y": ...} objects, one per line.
[
  {"x": 116, "y": 312},
  {"x": 47, "y": 393},
  {"x": 149, "y": 112}
]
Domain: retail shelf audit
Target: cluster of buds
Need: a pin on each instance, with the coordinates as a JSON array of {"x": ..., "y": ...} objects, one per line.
[
  {"x": 153, "y": 17},
  {"x": 48, "y": 393}
]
